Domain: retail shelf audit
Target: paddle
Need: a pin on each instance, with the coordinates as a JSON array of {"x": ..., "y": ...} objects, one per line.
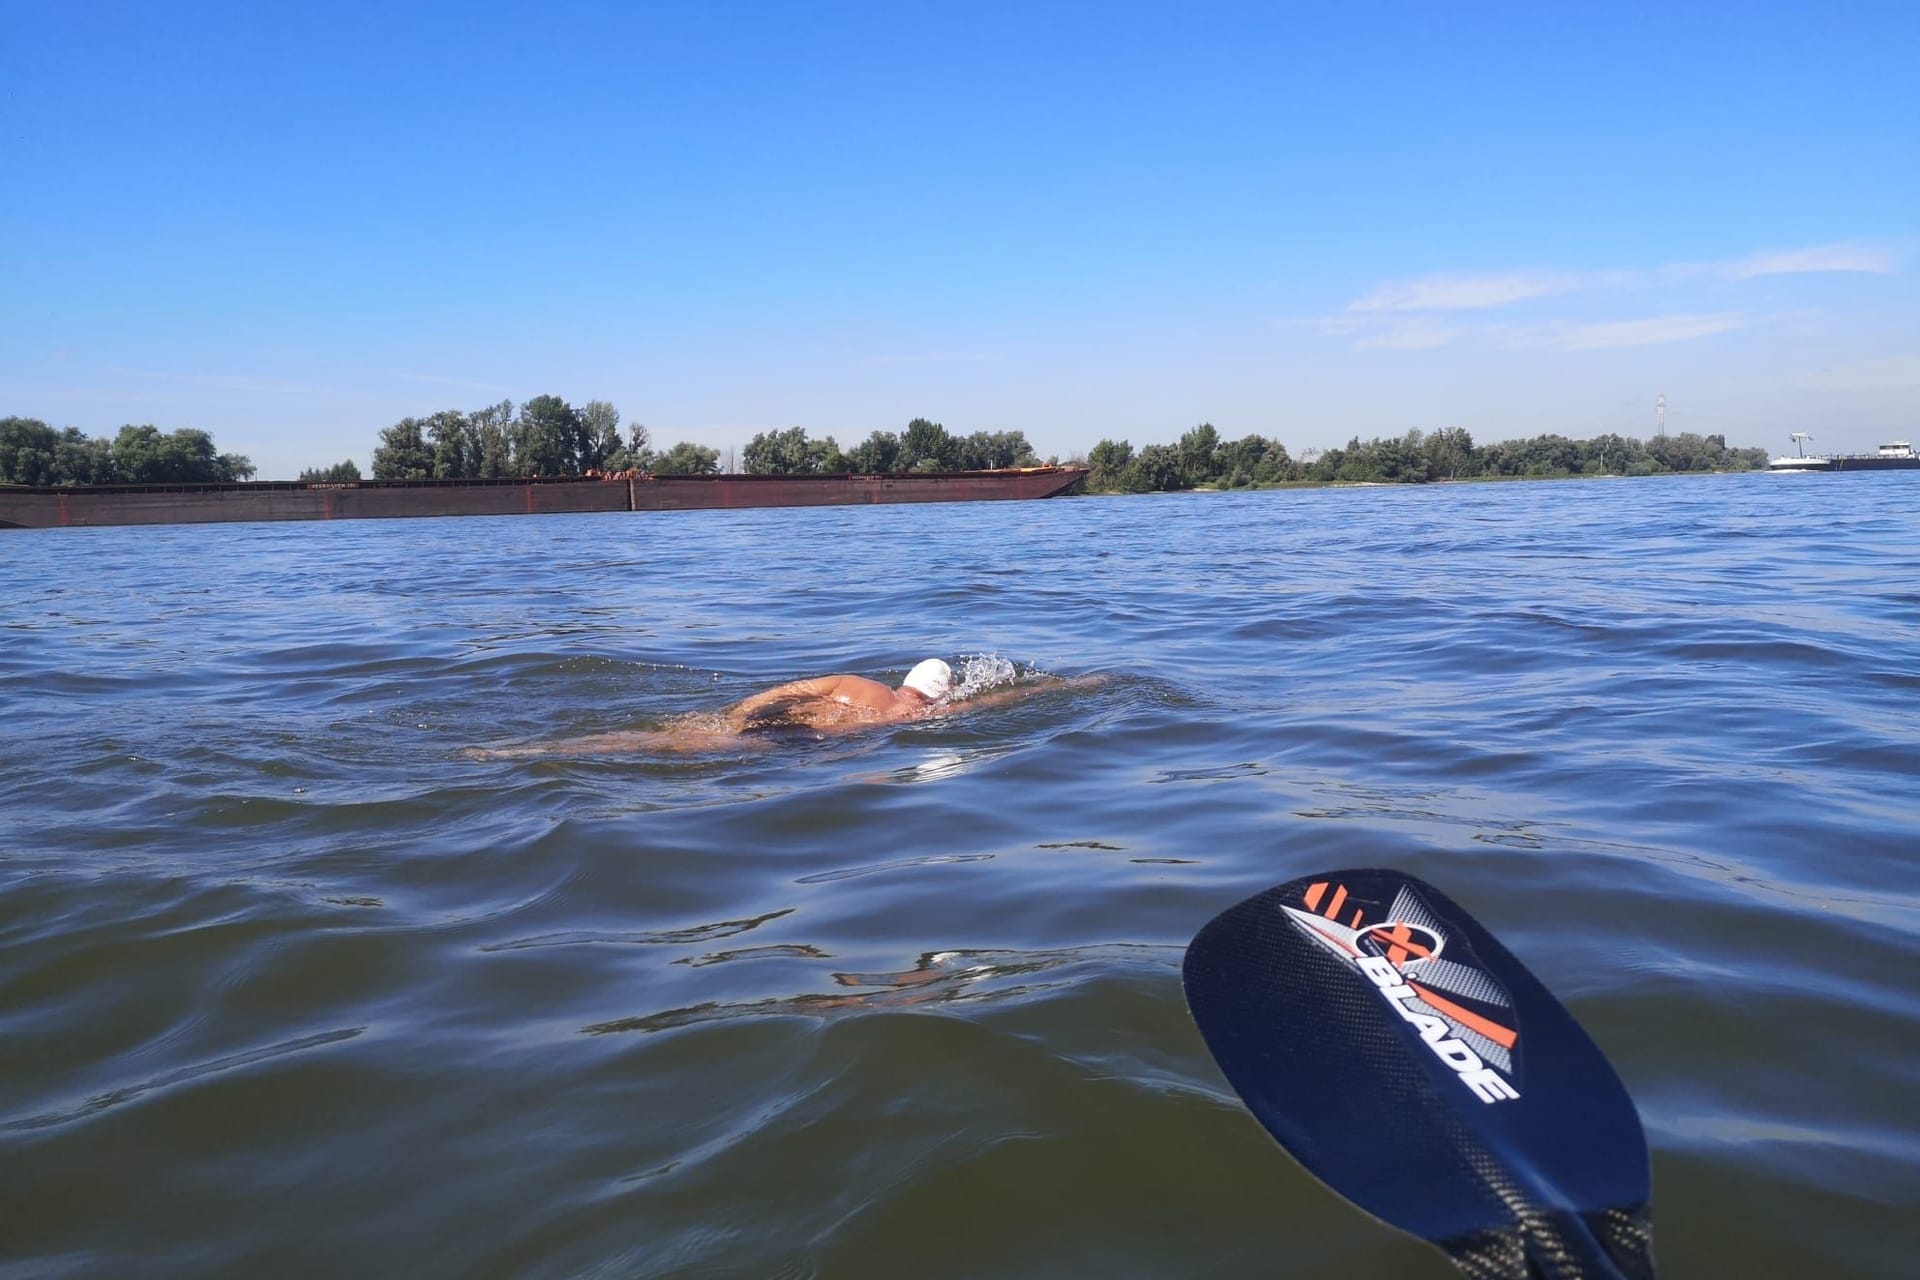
[{"x": 1400, "y": 1053}]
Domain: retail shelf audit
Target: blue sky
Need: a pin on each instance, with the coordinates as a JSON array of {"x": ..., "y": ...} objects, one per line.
[{"x": 292, "y": 226}]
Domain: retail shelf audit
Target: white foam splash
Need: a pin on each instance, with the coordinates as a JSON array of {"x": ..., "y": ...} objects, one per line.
[{"x": 977, "y": 672}]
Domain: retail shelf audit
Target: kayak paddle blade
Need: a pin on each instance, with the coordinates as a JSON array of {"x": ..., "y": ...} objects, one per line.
[{"x": 1400, "y": 1053}]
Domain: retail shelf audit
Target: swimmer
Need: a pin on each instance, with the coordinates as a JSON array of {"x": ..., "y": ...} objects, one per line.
[
  {"x": 810, "y": 708},
  {"x": 834, "y": 702}
]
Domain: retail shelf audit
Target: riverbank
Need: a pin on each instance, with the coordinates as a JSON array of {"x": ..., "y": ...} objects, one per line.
[{"x": 1414, "y": 484}]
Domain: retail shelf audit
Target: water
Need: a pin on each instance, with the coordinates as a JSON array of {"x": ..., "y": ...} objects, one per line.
[{"x": 289, "y": 986}]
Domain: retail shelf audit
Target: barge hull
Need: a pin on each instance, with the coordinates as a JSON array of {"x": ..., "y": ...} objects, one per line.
[
  {"x": 1870, "y": 463},
  {"x": 26, "y": 507}
]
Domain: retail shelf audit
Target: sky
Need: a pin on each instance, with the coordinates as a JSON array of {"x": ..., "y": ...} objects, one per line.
[{"x": 295, "y": 225}]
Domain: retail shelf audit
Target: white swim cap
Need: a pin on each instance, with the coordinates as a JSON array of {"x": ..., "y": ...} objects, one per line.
[{"x": 931, "y": 678}]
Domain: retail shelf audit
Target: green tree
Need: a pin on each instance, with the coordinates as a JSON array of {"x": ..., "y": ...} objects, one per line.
[
  {"x": 600, "y": 435},
  {"x": 687, "y": 459},
  {"x": 549, "y": 438},
  {"x": 1197, "y": 449},
  {"x": 925, "y": 446},
  {"x": 1402, "y": 461},
  {"x": 878, "y": 454},
  {"x": 1547, "y": 455},
  {"x": 33, "y": 453},
  {"x": 492, "y": 435},
  {"x": 1262, "y": 460},
  {"x": 824, "y": 457},
  {"x": 779, "y": 453},
  {"x": 143, "y": 455},
  {"x": 1158, "y": 468},
  {"x": 1496, "y": 459},
  {"x": 634, "y": 455},
  {"x": 403, "y": 452},
  {"x": 26, "y": 451},
  {"x": 455, "y": 445},
  {"x": 1107, "y": 465},
  {"x": 989, "y": 450},
  {"x": 339, "y": 473},
  {"x": 1449, "y": 453},
  {"x": 82, "y": 459}
]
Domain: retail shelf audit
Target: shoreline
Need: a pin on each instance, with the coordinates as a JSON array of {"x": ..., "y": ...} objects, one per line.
[{"x": 1089, "y": 492}]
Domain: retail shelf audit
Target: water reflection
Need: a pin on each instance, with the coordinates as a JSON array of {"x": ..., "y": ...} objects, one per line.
[{"x": 938, "y": 978}]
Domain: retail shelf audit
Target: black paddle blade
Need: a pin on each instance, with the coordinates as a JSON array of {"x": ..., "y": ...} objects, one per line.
[{"x": 1400, "y": 1053}]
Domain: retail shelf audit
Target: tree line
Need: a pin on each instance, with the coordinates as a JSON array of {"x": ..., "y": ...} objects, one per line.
[
  {"x": 31, "y": 452},
  {"x": 1201, "y": 457},
  {"x": 546, "y": 436},
  {"x": 923, "y": 446}
]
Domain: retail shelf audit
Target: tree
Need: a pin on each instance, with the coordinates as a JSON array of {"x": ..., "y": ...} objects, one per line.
[
  {"x": 634, "y": 455},
  {"x": 1197, "y": 448},
  {"x": 687, "y": 459},
  {"x": 31, "y": 452},
  {"x": 1258, "y": 459},
  {"x": 339, "y": 473},
  {"x": 877, "y": 454},
  {"x": 491, "y": 434},
  {"x": 824, "y": 457},
  {"x": 549, "y": 438},
  {"x": 82, "y": 459},
  {"x": 142, "y": 455},
  {"x": 925, "y": 446},
  {"x": 778, "y": 453},
  {"x": 987, "y": 450},
  {"x": 456, "y": 447},
  {"x": 1107, "y": 464},
  {"x": 1158, "y": 468},
  {"x": 403, "y": 453},
  {"x": 1449, "y": 453},
  {"x": 600, "y": 434},
  {"x": 26, "y": 451}
]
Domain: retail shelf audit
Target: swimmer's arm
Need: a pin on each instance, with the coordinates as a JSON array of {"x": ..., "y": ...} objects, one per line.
[
  {"x": 592, "y": 744},
  {"x": 742, "y": 712},
  {"x": 684, "y": 737},
  {"x": 999, "y": 697}
]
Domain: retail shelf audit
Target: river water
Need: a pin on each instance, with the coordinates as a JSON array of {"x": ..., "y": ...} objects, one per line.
[{"x": 288, "y": 985}]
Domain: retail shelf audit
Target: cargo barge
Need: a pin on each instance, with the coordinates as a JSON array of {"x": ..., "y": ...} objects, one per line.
[
  {"x": 24, "y": 507},
  {"x": 1895, "y": 455}
]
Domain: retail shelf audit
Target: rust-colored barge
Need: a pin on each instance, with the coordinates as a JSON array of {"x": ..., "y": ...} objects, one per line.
[{"x": 33, "y": 508}]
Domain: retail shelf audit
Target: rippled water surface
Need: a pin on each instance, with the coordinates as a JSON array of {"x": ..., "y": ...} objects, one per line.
[{"x": 290, "y": 986}]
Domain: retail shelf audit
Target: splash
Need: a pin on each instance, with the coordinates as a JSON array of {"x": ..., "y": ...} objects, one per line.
[{"x": 976, "y": 673}]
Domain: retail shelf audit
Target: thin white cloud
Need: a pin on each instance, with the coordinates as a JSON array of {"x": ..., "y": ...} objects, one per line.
[
  {"x": 1417, "y": 336},
  {"x": 939, "y": 357},
  {"x": 1465, "y": 292},
  {"x": 1650, "y": 332},
  {"x": 245, "y": 384},
  {"x": 1845, "y": 257},
  {"x": 439, "y": 380},
  {"x": 1471, "y": 291}
]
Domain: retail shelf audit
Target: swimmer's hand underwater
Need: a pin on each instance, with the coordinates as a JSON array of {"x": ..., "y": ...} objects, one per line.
[{"x": 816, "y": 707}]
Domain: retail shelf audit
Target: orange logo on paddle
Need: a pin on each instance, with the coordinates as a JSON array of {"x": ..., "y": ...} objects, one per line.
[{"x": 1400, "y": 956}]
